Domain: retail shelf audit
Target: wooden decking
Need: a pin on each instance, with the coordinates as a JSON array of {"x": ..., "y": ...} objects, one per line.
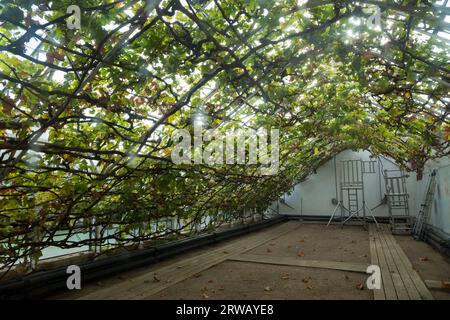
[{"x": 399, "y": 279}]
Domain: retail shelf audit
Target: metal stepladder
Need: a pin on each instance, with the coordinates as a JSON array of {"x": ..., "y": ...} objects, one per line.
[
  {"x": 397, "y": 200},
  {"x": 351, "y": 189},
  {"x": 424, "y": 213}
]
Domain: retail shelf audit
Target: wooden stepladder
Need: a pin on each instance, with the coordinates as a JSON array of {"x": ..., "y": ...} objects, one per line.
[
  {"x": 352, "y": 201},
  {"x": 397, "y": 200}
]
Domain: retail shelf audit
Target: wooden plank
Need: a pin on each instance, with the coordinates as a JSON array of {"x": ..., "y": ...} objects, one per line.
[
  {"x": 403, "y": 270},
  {"x": 287, "y": 261},
  {"x": 399, "y": 286},
  {"x": 415, "y": 277},
  {"x": 438, "y": 284},
  {"x": 146, "y": 285},
  {"x": 378, "y": 294},
  {"x": 388, "y": 286}
]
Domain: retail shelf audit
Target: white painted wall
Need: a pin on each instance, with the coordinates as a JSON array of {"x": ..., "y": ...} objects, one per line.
[{"x": 313, "y": 196}]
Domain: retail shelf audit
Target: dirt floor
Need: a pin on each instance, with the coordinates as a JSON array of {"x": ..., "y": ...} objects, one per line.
[
  {"x": 248, "y": 280},
  {"x": 428, "y": 262},
  {"x": 243, "y": 280},
  {"x": 319, "y": 242}
]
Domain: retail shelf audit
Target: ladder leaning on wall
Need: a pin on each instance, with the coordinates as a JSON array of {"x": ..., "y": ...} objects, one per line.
[{"x": 424, "y": 213}]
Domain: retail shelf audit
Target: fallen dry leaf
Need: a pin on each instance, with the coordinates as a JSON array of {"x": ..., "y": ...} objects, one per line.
[
  {"x": 309, "y": 287},
  {"x": 301, "y": 254},
  {"x": 205, "y": 296},
  {"x": 267, "y": 289},
  {"x": 360, "y": 286}
]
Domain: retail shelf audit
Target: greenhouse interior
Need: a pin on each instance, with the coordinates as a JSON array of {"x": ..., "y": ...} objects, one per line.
[{"x": 224, "y": 150}]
